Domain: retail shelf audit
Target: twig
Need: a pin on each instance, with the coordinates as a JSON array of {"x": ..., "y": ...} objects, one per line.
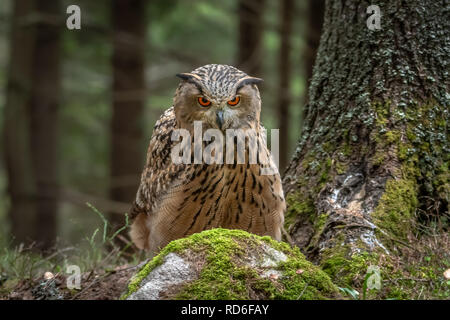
[
  {"x": 55, "y": 254},
  {"x": 303, "y": 291},
  {"x": 101, "y": 277}
]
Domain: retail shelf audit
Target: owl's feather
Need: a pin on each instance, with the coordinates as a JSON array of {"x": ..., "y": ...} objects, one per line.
[{"x": 176, "y": 200}]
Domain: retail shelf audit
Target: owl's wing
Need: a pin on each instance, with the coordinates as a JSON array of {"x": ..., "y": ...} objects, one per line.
[{"x": 159, "y": 172}]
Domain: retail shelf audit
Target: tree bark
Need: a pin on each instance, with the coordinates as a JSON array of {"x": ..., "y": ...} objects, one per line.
[
  {"x": 43, "y": 109},
  {"x": 315, "y": 13},
  {"x": 17, "y": 153},
  {"x": 374, "y": 152},
  {"x": 128, "y": 18},
  {"x": 250, "y": 36},
  {"x": 284, "y": 64}
]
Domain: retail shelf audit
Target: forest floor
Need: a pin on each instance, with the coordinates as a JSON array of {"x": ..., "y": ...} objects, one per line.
[
  {"x": 97, "y": 285},
  {"x": 106, "y": 261},
  {"x": 419, "y": 275},
  {"x": 421, "y": 269}
]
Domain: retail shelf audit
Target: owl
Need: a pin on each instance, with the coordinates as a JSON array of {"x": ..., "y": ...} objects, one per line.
[{"x": 176, "y": 199}]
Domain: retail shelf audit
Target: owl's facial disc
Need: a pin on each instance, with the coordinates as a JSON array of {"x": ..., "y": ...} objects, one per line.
[{"x": 220, "y": 96}]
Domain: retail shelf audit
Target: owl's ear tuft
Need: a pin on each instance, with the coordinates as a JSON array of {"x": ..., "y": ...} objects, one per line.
[
  {"x": 187, "y": 76},
  {"x": 191, "y": 78},
  {"x": 248, "y": 80}
]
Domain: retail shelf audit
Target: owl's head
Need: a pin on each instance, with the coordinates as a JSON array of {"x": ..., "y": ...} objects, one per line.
[{"x": 220, "y": 96}]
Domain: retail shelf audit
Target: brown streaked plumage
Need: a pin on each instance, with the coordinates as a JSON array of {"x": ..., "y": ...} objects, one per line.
[{"x": 176, "y": 200}]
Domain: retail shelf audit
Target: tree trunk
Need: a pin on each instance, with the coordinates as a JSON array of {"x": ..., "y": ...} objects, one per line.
[
  {"x": 128, "y": 18},
  {"x": 17, "y": 153},
  {"x": 374, "y": 152},
  {"x": 250, "y": 36},
  {"x": 284, "y": 64},
  {"x": 315, "y": 11},
  {"x": 44, "y": 105}
]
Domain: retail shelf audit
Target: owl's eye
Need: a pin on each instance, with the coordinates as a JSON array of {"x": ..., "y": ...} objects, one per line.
[
  {"x": 203, "y": 101},
  {"x": 235, "y": 101}
]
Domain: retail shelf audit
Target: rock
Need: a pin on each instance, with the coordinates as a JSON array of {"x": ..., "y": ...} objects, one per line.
[
  {"x": 174, "y": 271},
  {"x": 229, "y": 264},
  {"x": 48, "y": 275}
]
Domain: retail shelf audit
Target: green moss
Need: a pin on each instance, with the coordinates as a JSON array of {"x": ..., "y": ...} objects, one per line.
[
  {"x": 325, "y": 170},
  {"x": 379, "y": 158},
  {"x": 397, "y": 293},
  {"x": 392, "y": 136},
  {"x": 340, "y": 167},
  {"x": 403, "y": 151},
  {"x": 415, "y": 279},
  {"x": 319, "y": 225},
  {"x": 424, "y": 149},
  {"x": 297, "y": 206},
  {"x": 419, "y": 142},
  {"x": 345, "y": 148},
  {"x": 442, "y": 183},
  {"x": 396, "y": 207},
  {"x": 320, "y": 222},
  {"x": 224, "y": 275},
  {"x": 345, "y": 268}
]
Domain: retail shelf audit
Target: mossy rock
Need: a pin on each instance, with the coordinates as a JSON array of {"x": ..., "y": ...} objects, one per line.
[{"x": 230, "y": 264}]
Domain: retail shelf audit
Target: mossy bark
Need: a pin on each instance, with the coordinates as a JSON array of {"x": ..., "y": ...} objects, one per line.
[{"x": 374, "y": 153}]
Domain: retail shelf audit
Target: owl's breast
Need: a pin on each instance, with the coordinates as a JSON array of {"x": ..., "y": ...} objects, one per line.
[
  {"x": 220, "y": 195},
  {"x": 234, "y": 197}
]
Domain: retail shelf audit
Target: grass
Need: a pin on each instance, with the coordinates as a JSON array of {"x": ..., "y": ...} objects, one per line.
[{"x": 98, "y": 253}]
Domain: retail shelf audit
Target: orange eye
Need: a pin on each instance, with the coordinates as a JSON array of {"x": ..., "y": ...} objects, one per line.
[
  {"x": 235, "y": 101},
  {"x": 203, "y": 102}
]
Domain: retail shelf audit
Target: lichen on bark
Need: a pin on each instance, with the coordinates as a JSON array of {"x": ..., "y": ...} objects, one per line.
[{"x": 374, "y": 152}]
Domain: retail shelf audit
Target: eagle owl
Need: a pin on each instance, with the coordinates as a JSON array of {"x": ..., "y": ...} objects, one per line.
[{"x": 175, "y": 199}]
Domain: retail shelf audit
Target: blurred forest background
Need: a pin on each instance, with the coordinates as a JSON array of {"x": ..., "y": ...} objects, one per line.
[{"x": 77, "y": 107}]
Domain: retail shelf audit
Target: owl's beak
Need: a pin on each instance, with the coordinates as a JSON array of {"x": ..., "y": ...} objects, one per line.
[{"x": 219, "y": 118}]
